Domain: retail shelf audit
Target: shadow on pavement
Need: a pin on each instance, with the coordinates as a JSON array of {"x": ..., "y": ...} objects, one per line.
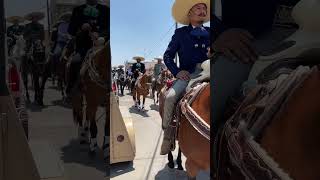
[
  {"x": 168, "y": 174},
  {"x": 61, "y": 103},
  {"x": 121, "y": 168},
  {"x": 154, "y": 107},
  {"x": 54, "y": 87},
  {"x": 35, "y": 108},
  {"x": 76, "y": 153},
  {"x": 136, "y": 111}
]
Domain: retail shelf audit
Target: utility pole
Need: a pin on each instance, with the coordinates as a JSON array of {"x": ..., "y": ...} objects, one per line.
[
  {"x": 48, "y": 17},
  {"x": 3, "y": 84}
]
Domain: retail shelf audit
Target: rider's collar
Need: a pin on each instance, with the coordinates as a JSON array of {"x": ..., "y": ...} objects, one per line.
[{"x": 94, "y": 6}]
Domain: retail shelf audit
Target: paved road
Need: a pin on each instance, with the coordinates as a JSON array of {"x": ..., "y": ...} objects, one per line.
[
  {"x": 148, "y": 163},
  {"x": 53, "y": 140}
]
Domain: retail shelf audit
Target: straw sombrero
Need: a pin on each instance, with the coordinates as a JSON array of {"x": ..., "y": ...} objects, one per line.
[
  {"x": 181, "y": 9},
  {"x": 159, "y": 58},
  {"x": 138, "y": 57},
  {"x": 114, "y": 67},
  {"x": 121, "y": 66},
  {"x": 15, "y": 19},
  {"x": 35, "y": 16}
]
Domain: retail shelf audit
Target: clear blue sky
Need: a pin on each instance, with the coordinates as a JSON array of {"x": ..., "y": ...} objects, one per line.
[{"x": 140, "y": 27}]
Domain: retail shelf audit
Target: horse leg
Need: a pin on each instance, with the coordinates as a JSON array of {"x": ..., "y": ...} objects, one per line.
[
  {"x": 170, "y": 159},
  {"x": 25, "y": 82},
  {"x": 179, "y": 161},
  {"x": 36, "y": 88},
  {"x": 143, "y": 101},
  {"x": 106, "y": 141},
  {"x": 192, "y": 169},
  {"x": 158, "y": 93},
  {"x": 91, "y": 117}
]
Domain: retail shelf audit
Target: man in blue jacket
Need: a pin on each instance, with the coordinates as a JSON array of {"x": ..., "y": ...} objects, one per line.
[{"x": 191, "y": 42}]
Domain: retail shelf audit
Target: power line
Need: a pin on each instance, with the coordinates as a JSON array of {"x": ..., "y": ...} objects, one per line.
[{"x": 161, "y": 39}]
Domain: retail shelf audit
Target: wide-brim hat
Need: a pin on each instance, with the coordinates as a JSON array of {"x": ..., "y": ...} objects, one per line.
[
  {"x": 138, "y": 58},
  {"x": 159, "y": 58},
  {"x": 114, "y": 67},
  {"x": 34, "y": 16},
  {"x": 15, "y": 19},
  {"x": 181, "y": 9},
  {"x": 65, "y": 16},
  {"x": 121, "y": 66}
]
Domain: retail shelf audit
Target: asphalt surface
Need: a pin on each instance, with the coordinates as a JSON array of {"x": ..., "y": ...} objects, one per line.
[{"x": 59, "y": 156}]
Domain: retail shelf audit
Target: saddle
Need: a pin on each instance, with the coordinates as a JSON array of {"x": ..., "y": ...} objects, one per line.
[
  {"x": 183, "y": 107},
  {"x": 239, "y": 151}
]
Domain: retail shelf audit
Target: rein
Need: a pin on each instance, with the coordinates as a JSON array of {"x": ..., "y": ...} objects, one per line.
[
  {"x": 194, "y": 119},
  {"x": 92, "y": 70}
]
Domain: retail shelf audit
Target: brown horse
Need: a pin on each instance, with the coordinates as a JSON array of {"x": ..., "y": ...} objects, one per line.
[
  {"x": 159, "y": 83},
  {"x": 94, "y": 89},
  {"x": 62, "y": 66},
  {"x": 194, "y": 129},
  {"x": 192, "y": 126},
  {"x": 292, "y": 137},
  {"x": 274, "y": 132},
  {"x": 141, "y": 88}
]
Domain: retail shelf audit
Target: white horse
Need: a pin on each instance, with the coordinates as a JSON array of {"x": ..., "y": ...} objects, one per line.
[{"x": 18, "y": 50}]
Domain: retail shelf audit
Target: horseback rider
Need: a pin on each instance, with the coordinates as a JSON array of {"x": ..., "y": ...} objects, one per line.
[
  {"x": 191, "y": 42},
  {"x": 34, "y": 35},
  {"x": 60, "y": 36},
  {"x": 137, "y": 69},
  {"x": 88, "y": 21},
  {"x": 158, "y": 68},
  {"x": 14, "y": 30}
]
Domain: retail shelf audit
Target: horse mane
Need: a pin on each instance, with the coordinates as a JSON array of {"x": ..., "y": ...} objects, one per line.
[{"x": 102, "y": 59}]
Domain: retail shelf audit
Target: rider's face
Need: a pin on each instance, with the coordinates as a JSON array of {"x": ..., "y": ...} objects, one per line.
[
  {"x": 198, "y": 13},
  {"x": 92, "y": 2}
]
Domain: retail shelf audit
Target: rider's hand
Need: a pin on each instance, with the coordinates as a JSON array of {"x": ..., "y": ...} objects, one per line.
[
  {"x": 209, "y": 53},
  {"x": 86, "y": 27},
  {"x": 183, "y": 75},
  {"x": 236, "y": 44}
]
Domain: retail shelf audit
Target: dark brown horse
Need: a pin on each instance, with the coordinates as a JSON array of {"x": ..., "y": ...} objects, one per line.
[
  {"x": 93, "y": 91},
  {"x": 159, "y": 83},
  {"x": 141, "y": 88}
]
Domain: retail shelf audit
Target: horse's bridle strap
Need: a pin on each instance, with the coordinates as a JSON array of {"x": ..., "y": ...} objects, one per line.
[{"x": 195, "y": 120}]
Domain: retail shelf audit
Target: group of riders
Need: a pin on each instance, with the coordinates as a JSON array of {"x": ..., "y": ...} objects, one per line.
[
  {"x": 128, "y": 78},
  {"x": 76, "y": 32}
]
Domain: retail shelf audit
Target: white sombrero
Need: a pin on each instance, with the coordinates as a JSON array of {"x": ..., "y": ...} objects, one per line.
[
  {"x": 121, "y": 66},
  {"x": 181, "y": 9},
  {"x": 36, "y": 16},
  {"x": 138, "y": 57},
  {"x": 159, "y": 58},
  {"x": 15, "y": 19}
]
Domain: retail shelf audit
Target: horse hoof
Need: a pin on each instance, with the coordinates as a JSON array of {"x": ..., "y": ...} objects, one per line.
[
  {"x": 83, "y": 142},
  {"x": 180, "y": 168},
  {"x": 92, "y": 153},
  {"x": 170, "y": 165}
]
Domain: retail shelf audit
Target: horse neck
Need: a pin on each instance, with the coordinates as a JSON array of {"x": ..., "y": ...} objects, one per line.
[
  {"x": 101, "y": 60},
  {"x": 202, "y": 104},
  {"x": 292, "y": 138}
]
